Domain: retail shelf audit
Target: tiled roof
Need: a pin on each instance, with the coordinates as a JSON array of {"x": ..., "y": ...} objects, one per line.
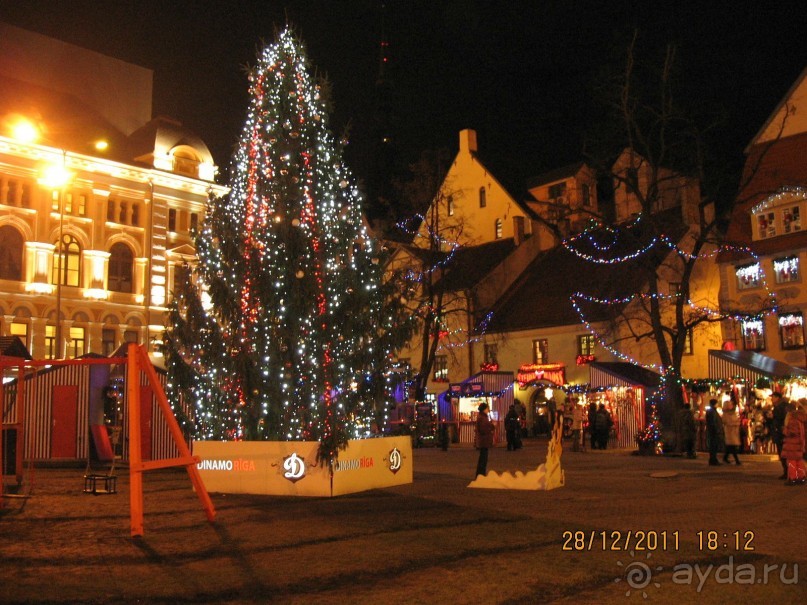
[
  {"x": 783, "y": 164},
  {"x": 541, "y": 296},
  {"x": 555, "y": 175},
  {"x": 470, "y": 264},
  {"x": 70, "y": 124}
]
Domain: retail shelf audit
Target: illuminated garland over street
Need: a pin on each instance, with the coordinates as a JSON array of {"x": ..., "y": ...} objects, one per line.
[{"x": 605, "y": 254}]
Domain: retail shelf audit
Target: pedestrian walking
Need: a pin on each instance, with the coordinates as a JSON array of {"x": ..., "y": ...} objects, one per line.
[
  {"x": 512, "y": 428},
  {"x": 731, "y": 432},
  {"x": 602, "y": 426},
  {"x": 780, "y": 408},
  {"x": 577, "y": 426},
  {"x": 592, "y": 417},
  {"x": 484, "y": 436},
  {"x": 689, "y": 431},
  {"x": 714, "y": 432},
  {"x": 759, "y": 430},
  {"x": 793, "y": 446}
]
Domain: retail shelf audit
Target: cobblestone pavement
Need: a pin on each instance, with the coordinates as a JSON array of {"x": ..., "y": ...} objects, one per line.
[{"x": 711, "y": 535}]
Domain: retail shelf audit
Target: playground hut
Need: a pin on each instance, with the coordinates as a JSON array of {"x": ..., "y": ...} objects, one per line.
[{"x": 67, "y": 415}]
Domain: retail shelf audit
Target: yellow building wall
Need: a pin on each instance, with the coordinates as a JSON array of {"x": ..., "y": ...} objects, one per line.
[
  {"x": 85, "y": 200},
  {"x": 466, "y": 176}
]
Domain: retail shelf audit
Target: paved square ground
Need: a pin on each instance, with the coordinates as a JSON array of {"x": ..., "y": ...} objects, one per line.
[{"x": 434, "y": 541}]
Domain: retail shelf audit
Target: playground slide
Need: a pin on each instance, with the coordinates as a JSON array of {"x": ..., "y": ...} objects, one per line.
[{"x": 103, "y": 447}]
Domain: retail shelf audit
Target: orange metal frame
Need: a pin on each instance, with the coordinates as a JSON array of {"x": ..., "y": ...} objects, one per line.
[{"x": 136, "y": 361}]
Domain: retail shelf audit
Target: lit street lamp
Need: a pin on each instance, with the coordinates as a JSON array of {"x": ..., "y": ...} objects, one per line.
[{"x": 56, "y": 176}]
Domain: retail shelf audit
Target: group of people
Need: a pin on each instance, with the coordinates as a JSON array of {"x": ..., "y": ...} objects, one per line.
[
  {"x": 599, "y": 423},
  {"x": 723, "y": 434}
]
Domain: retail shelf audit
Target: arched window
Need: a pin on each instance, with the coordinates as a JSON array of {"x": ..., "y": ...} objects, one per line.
[
  {"x": 121, "y": 261},
  {"x": 483, "y": 197},
  {"x": 186, "y": 160},
  {"x": 67, "y": 262},
  {"x": 497, "y": 226},
  {"x": 11, "y": 244}
]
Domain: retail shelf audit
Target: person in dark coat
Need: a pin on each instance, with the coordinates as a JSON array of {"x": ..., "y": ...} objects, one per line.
[
  {"x": 794, "y": 445},
  {"x": 602, "y": 426},
  {"x": 689, "y": 430},
  {"x": 780, "y": 408},
  {"x": 592, "y": 420},
  {"x": 714, "y": 432},
  {"x": 484, "y": 435},
  {"x": 512, "y": 427}
]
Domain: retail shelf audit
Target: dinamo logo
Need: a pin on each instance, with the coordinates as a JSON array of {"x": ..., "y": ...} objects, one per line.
[
  {"x": 395, "y": 460},
  {"x": 294, "y": 467}
]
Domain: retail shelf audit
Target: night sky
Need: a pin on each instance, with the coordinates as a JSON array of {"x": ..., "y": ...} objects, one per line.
[{"x": 519, "y": 72}]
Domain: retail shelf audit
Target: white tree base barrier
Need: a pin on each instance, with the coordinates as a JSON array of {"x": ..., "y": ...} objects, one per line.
[
  {"x": 290, "y": 468},
  {"x": 548, "y": 475}
]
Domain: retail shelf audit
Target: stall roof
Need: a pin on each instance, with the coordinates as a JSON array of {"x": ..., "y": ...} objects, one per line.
[
  {"x": 12, "y": 346},
  {"x": 623, "y": 373},
  {"x": 749, "y": 365},
  {"x": 492, "y": 382}
]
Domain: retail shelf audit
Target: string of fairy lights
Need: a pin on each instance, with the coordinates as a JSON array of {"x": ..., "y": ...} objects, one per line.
[
  {"x": 602, "y": 242},
  {"x": 419, "y": 228}
]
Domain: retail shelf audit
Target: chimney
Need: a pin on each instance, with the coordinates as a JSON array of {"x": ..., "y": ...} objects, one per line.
[
  {"x": 467, "y": 141},
  {"x": 518, "y": 230}
]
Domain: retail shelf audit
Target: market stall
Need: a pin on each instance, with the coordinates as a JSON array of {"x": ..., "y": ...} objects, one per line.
[
  {"x": 750, "y": 378},
  {"x": 537, "y": 386},
  {"x": 459, "y": 405},
  {"x": 625, "y": 390}
]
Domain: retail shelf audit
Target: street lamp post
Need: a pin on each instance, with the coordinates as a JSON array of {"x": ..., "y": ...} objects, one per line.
[
  {"x": 57, "y": 176},
  {"x": 59, "y": 255}
]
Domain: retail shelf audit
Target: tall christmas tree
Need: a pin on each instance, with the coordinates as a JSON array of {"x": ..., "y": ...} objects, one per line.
[{"x": 285, "y": 329}]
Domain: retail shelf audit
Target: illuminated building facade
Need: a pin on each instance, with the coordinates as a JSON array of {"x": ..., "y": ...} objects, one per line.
[
  {"x": 767, "y": 219},
  {"x": 98, "y": 201}
]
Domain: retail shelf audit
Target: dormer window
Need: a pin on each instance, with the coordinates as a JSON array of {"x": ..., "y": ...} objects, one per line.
[
  {"x": 791, "y": 219},
  {"x": 186, "y": 161},
  {"x": 778, "y": 214},
  {"x": 556, "y": 191},
  {"x": 748, "y": 276},
  {"x": 766, "y": 225},
  {"x": 585, "y": 193}
]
